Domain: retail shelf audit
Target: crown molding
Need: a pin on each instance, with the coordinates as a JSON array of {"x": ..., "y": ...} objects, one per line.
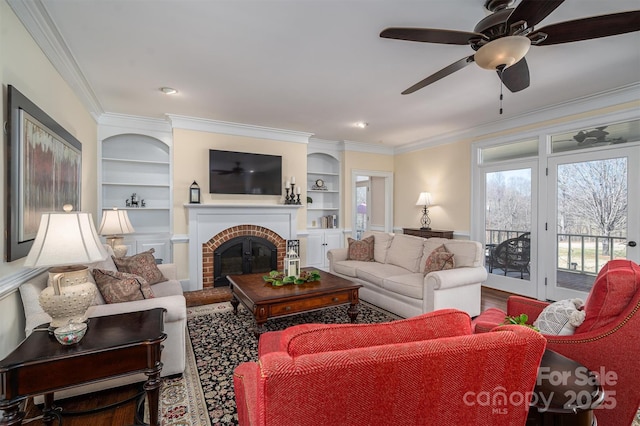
[
  {"x": 328, "y": 143},
  {"x": 35, "y": 18},
  {"x": 237, "y": 129},
  {"x": 367, "y": 147},
  {"x": 110, "y": 124},
  {"x": 318, "y": 143},
  {"x": 618, "y": 96}
]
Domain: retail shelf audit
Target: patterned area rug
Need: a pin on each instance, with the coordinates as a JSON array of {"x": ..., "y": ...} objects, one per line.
[
  {"x": 222, "y": 340},
  {"x": 181, "y": 400}
]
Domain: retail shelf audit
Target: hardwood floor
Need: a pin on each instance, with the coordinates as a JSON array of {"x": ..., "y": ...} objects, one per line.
[
  {"x": 124, "y": 414},
  {"x": 493, "y": 299}
]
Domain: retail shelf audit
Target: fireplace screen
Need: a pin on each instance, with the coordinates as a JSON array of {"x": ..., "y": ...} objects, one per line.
[{"x": 243, "y": 255}]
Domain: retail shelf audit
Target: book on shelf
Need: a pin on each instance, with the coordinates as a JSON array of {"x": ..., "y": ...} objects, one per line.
[{"x": 329, "y": 221}]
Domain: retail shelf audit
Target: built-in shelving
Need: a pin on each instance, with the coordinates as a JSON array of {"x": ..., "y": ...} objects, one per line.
[
  {"x": 323, "y": 234},
  {"x": 325, "y": 202},
  {"x": 140, "y": 164}
]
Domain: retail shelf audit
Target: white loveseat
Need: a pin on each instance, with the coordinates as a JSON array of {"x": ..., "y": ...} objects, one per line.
[
  {"x": 167, "y": 294},
  {"x": 395, "y": 280}
]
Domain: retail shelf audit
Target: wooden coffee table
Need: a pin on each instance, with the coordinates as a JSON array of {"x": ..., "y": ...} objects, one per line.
[{"x": 265, "y": 301}]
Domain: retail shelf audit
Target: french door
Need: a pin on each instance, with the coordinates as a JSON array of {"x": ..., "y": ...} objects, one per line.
[
  {"x": 593, "y": 216},
  {"x": 363, "y": 204},
  {"x": 510, "y": 226}
]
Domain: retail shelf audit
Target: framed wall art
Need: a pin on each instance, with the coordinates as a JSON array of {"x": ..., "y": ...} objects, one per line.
[{"x": 44, "y": 171}]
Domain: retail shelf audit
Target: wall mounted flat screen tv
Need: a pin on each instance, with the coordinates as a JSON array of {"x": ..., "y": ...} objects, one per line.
[{"x": 244, "y": 173}]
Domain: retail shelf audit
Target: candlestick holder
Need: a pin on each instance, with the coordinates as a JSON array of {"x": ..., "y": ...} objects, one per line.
[{"x": 291, "y": 198}]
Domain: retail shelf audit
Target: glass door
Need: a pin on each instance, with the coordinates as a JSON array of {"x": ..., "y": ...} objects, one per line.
[
  {"x": 509, "y": 227},
  {"x": 362, "y": 205},
  {"x": 593, "y": 217}
]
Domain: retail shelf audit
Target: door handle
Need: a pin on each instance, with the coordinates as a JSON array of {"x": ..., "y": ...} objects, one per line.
[{"x": 631, "y": 243}]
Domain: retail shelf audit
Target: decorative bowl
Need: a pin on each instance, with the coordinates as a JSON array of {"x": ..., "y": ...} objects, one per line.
[{"x": 71, "y": 333}]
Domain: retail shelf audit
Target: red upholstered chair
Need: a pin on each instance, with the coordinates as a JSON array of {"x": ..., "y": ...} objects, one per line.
[
  {"x": 426, "y": 370},
  {"x": 607, "y": 342}
]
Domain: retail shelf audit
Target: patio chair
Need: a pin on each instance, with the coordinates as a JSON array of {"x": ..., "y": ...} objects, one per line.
[{"x": 513, "y": 254}]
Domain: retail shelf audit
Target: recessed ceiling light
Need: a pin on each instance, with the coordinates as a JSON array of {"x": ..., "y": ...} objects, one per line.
[
  {"x": 361, "y": 124},
  {"x": 168, "y": 90}
]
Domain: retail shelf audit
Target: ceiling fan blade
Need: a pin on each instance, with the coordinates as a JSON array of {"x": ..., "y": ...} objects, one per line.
[
  {"x": 532, "y": 11},
  {"x": 430, "y": 35},
  {"x": 588, "y": 28},
  {"x": 458, "y": 65},
  {"x": 516, "y": 77}
]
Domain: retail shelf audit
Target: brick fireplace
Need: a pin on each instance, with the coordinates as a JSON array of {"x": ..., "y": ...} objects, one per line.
[
  {"x": 236, "y": 233},
  {"x": 211, "y": 225}
]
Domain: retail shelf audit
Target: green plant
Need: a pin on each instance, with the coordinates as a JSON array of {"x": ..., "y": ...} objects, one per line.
[
  {"x": 277, "y": 279},
  {"x": 519, "y": 320}
]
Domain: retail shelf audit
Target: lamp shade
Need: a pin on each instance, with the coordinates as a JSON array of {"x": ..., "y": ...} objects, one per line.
[
  {"x": 65, "y": 238},
  {"x": 425, "y": 199},
  {"x": 504, "y": 51},
  {"x": 115, "y": 222}
]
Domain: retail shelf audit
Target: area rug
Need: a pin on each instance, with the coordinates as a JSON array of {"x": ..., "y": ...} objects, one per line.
[
  {"x": 181, "y": 400},
  {"x": 222, "y": 340}
]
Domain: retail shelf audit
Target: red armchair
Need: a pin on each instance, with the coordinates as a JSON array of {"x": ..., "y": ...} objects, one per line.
[
  {"x": 607, "y": 342},
  {"x": 428, "y": 369}
]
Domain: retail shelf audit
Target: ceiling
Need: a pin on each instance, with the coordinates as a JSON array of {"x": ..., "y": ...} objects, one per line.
[{"x": 319, "y": 66}]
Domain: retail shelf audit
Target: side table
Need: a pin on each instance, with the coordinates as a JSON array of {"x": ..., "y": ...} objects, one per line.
[
  {"x": 428, "y": 233},
  {"x": 566, "y": 393},
  {"x": 114, "y": 345}
]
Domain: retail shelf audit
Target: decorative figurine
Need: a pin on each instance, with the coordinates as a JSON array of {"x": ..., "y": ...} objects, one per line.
[{"x": 135, "y": 201}]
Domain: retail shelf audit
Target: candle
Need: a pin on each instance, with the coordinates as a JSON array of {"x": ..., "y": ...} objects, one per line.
[
  {"x": 293, "y": 179},
  {"x": 287, "y": 185},
  {"x": 298, "y": 190}
]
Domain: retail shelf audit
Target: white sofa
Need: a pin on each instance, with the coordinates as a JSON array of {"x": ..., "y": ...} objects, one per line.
[
  {"x": 395, "y": 280},
  {"x": 167, "y": 294}
]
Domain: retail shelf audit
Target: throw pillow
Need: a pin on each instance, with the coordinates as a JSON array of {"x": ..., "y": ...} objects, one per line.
[
  {"x": 561, "y": 318},
  {"x": 117, "y": 287},
  {"x": 439, "y": 260},
  {"x": 361, "y": 250},
  {"x": 142, "y": 264}
]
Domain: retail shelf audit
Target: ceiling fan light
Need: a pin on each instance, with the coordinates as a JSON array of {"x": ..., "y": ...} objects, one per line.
[{"x": 503, "y": 51}]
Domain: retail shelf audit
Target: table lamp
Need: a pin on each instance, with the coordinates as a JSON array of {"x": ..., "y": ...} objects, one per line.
[
  {"x": 114, "y": 224},
  {"x": 425, "y": 199},
  {"x": 67, "y": 241}
]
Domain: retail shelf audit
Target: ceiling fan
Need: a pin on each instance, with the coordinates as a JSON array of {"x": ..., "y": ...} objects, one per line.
[{"x": 502, "y": 39}]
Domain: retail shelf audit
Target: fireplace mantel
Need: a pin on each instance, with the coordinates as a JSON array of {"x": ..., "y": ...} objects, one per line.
[{"x": 207, "y": 220}]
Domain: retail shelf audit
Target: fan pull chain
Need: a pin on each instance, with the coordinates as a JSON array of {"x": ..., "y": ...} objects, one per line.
[{"x": 501, "y": 84}]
